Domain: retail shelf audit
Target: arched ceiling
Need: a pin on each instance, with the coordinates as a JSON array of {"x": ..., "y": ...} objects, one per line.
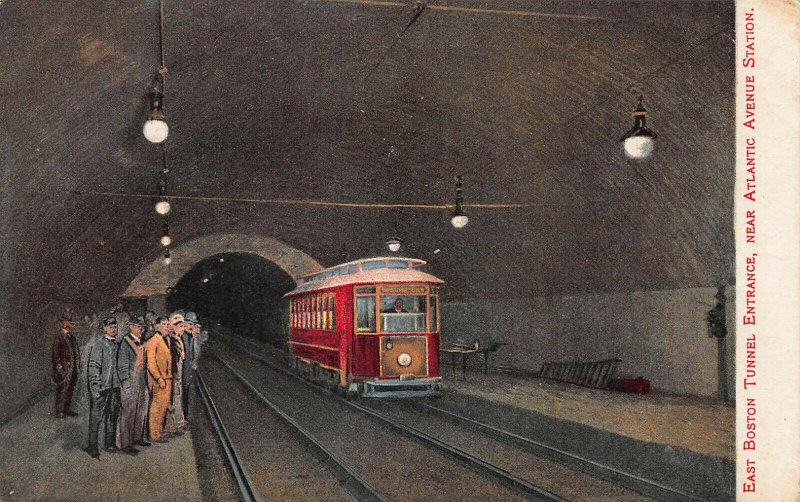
[{"x": 322, "y": 100}]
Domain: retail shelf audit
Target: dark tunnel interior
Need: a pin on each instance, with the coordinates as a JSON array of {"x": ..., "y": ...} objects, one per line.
[{"x": 242, "y": 292}]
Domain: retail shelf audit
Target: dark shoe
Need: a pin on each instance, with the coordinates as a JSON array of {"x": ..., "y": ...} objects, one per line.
[
  {"x": 92, "y": 452},
  {"x": 71, "y": 413},
  {"x": 112, "y": 449},
  {"x": 59, "y": 415},
  {"x": 163, "y": 439},
  {"x": 130, "y": 451},
  {"x": 142, "y": 443}
]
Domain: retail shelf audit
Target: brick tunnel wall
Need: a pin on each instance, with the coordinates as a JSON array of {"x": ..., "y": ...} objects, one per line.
[{"x": 659, "y": 335}]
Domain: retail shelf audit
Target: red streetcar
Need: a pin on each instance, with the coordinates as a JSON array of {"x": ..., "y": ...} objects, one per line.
[{"x": 369, "y": 327}]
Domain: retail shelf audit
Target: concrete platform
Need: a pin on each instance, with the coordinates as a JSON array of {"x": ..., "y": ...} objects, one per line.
[
  {"x": 683, "y": 443},
  {"x": 698, "y": 425},
  {"x": 42, "y": 458}
]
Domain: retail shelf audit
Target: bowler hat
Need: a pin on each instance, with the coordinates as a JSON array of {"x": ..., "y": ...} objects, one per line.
[
  {"x": 191, "y": 317},
  {"x": 109, "y": 321},
  {"x": 137, "y": 319}
]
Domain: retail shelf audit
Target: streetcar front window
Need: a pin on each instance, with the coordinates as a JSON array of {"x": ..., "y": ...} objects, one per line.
[
  {"x": 403, "y": 314},
  {"x": 365, "y": 307}
]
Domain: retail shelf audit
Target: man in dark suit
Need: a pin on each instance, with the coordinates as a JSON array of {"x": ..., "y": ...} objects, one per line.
[
  {"x": 132, "y": 371},
  {"x": 66, "y": 360}
]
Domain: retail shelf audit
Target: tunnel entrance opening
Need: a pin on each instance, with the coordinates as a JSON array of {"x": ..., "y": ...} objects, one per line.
[{"x": 242, "y": 292}]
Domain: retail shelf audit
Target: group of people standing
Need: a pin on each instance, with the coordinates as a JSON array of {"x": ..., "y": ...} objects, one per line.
[{"x": 140, "y": 382}]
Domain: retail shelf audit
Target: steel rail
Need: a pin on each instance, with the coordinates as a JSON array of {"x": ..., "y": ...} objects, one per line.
[
  {"x": 616, "y": 476},
  {"x": 239, "y": 472},
  {"x": 360, "y": 488},
  {"x": 636, "y": 483},
  {"x": 498, "y": 473}
]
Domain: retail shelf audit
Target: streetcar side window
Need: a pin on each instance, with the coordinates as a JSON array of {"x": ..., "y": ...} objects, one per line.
[
  {"x": 332, "y": 318},
  {"x": 365, "y": 306},
  {"x": 317, "y": 312},
  {"x": 325, "y": 312}
]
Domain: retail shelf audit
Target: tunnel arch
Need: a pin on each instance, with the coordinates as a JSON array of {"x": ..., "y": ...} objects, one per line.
[{"x": 155, "y": 278}]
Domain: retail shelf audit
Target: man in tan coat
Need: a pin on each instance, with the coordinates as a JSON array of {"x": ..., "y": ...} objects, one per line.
[
  {"x": 176, "y": 422},
  {"x": 159, "y": 377}
]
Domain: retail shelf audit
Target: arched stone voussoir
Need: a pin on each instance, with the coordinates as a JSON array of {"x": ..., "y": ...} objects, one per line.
[{"x": 155, "y": 278}]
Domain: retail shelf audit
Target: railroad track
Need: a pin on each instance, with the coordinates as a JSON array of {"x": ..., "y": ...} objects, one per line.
[
  {"x": 522, "y": 488},
  {"x": 638, "y": 484},
  {"x": 341, "y": 474},
  {"x": 644, "y": 486},
  {"x": 238, "y": 470},
  {"x": 502, "y": 476}
]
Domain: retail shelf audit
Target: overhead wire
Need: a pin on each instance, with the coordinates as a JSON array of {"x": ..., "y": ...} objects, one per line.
[{"x": 311, "y": 202}]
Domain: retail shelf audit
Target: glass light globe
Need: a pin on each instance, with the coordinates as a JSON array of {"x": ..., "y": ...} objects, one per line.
[
  {"x": 394, "y": 245},
  {"x": 167, "y": 260},
  {"x": 163, "y": 207},
  {"x": 460, "y": 220},
  {"x": 155, "y": 130},
  {"x": 638, "y": 147},
  {"x": 166, "y": 240}
]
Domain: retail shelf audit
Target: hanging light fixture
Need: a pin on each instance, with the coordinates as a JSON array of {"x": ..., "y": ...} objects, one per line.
[
  {"x": 394, "y": 244},
  {"x": 640, "y": 141},
  {"x": 459, "y": 219},
  {"x": 155, "y": 128},
  {"x": 166, "y": 240},
  {"x": 167, "y": 259}
]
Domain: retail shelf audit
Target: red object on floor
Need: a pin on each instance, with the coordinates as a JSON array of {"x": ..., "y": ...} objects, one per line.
[{"x": 636, "y": 385}]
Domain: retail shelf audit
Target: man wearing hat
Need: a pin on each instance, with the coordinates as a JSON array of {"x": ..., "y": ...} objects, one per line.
[
  {"x": 104, "y": 388},
  {"x": 150, "y": 325},
  {"x": 176, "y": 421},
  {"x": 66, "y": 360},
  {"x": 191, "y": 343},
  {"x": 132, "y": 371},
  {"x": 159, "y": 376}
]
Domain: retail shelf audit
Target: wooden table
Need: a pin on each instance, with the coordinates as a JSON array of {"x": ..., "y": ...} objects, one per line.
[{"x": 465, "y": 353}]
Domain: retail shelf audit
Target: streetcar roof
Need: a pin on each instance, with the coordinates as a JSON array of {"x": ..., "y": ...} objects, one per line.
[{"x": 366, "y": 271}]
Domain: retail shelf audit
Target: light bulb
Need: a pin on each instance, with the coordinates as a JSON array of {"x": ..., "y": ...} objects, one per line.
[
  {"x": 163, "y": 207},
  {"x": 155, "y": 130},
  {"x": 166, "y": 240},
  {"x": 394, "y": 244},
  {"x": 459, "y": 220},
  {"x": 638, "y": 147}
]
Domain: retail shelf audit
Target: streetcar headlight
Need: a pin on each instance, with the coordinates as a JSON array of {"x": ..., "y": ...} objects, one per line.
[{"x": 404, "y": 359}]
